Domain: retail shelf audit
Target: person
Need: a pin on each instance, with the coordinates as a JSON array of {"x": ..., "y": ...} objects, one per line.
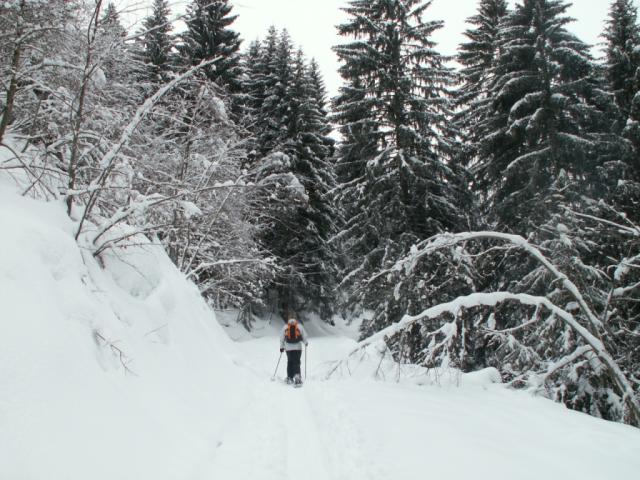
[{"x": 292, "y": 338}]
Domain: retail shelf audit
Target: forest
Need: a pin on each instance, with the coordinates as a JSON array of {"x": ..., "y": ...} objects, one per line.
[{"x": 477, "y": 211}]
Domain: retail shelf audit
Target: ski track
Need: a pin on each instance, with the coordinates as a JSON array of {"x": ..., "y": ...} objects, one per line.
[
  {"x": 289, "y": 433},
  {"x": 280, "y": 432},
  {"x": 340, "y": 438}
]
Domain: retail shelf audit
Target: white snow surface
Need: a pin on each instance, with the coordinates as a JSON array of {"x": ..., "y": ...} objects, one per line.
[
  {"x": 192, "y": 397},
  {"x": 69, "y": 409}
]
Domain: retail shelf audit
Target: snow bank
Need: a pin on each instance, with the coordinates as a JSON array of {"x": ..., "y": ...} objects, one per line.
[
  {"x": 375, "y": 361},
  {"x": 115, "y": 372},
  {"x": 409, "y": 432}
]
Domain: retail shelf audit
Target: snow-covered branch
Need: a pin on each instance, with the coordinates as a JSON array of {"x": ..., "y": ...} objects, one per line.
[
  {"x": 447, "y": 240},
  {"x": 214, "y": 218},
  {"x": 108, "y": 160},
  {"x": 630, "y": 229},
  {"x": 493, "y": 299},
  {"x": 567, "y": 360},
  {"x": 591, "y": 333},
  {"x": 36, "y": 177},
  {"x": 233, "y": 261}
]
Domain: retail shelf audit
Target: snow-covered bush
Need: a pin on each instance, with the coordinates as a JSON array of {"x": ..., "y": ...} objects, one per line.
[
  {"x": 162, "y": 158},
  {"x": 571, "y": 340}
]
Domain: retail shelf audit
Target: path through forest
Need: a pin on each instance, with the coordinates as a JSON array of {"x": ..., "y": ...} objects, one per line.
[{"x": 358, "y": 428}]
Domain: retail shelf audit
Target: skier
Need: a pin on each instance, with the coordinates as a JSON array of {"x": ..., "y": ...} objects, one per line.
[{"x": 291, "y": 339}]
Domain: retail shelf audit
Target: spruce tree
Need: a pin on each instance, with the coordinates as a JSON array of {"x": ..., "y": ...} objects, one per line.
[
  {"x": 310, "y": 150},
  {"x": 251, "y": 99},
  {"x": 292, "y": 162},
  {"x": 209, "y": 36},
  {"x": 279, "y": 93},
  {"x": 357, "y": 146},
  {"x": 409, "y": 187},
  {"x": 622, "y": 70},
  {"x": 548, "y": 153},
  {"x": 318, "y": 88},
  {"x": 622, "y": 48},
  {"x": 271, "y": 77},
  {"x": 478, "y": 59},
  {"x": 157, "y": 42},
  {"x": 111, "y": 37},
  {"x": 549, "y": 115}
]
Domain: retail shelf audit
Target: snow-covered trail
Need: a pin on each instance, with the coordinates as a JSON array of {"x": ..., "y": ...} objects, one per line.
[
  {"x": 289, "y": 433},
  {"x": 363, "y": 429}
]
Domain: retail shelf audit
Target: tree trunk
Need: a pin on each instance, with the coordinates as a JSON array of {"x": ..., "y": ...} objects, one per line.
[{"x": 13, "y": 84}]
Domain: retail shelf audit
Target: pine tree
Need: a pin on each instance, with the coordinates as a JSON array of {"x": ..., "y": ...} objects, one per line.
[
  {"x": 209, "y": 36},
  {"x": 622, "y": 48},
  {"x": 478, "y": 59},
  {"x": 292, "y": 162},
  {"x": 157, "y": 42},
  {"x": 408, "y": 189},
  {"x": 549, "y": 115}
]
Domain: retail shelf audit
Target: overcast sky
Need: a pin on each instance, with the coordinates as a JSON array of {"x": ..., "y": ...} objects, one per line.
[{"x": 311, "y": 24}]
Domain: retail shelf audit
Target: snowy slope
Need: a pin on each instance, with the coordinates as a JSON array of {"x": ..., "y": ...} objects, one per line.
[{"x": 114, "y": 373}]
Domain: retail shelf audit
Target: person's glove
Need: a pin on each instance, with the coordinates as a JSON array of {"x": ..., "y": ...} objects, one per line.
[
  {"x": 281, "y": 350},
  {"x": 306, "y": 344}
]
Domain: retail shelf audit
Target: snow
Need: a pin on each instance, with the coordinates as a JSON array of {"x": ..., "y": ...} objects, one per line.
[
  {"x": 99, "y": 78},
  {"x": 190, "y": 209},
  {"x": 72, "y": 407},
  {"x": 461, "y": 427},
  {"x": 118, "y": 370}
]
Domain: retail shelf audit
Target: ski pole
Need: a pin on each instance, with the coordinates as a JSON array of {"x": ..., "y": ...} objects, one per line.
[
  {"x": 306, "y": 350},
  {"x": 276, "y": 370}
]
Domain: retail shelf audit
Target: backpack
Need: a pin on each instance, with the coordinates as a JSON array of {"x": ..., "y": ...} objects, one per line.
[{"x": 292, "y": 334}]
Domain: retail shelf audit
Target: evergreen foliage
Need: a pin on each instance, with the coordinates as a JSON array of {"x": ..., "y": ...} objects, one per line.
[
  {"x": 292, "y": 155},
  {"x": 209, "y": 36},
  {"x": 157, "y": 42},
  {"x": 622, "y": 70},
  {"x": 405, "y": 189},
  {"x": 549, "y": 114},
  {"x": 622, "y": 49},
  {"x": 478, "y": 58}
]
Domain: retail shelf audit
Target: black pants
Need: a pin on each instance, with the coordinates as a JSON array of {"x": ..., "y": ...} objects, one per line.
[{"x": 293, "y": 362}]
